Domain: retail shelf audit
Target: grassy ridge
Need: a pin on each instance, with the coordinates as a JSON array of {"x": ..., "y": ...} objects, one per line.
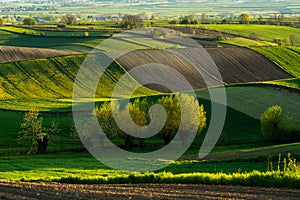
[
  {"x": 288, "y": 58},
  {"x": 289, "y": 83}
]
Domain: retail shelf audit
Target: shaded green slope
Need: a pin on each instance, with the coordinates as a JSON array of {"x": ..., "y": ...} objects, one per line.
[{"x": 15, "y": 39}]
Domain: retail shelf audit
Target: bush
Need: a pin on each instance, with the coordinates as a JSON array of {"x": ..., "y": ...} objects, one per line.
[
  {"x": 29, "y": 21},
  {"x": 271, "y": 122},
  {"x": 86, "y": 34},
  {"x": 254, "y": 36},
  {"x": 277, "y": 127},
  {"x": 61, "y": 26}
]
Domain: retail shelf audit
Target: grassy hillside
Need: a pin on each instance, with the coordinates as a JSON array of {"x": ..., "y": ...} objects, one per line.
[
  {"x": 245, "y": 42},
  {"x": 14, "y": 39},
  {"x": 28, "y": 31},
  {"x": 53, "y": 78},
  {"x": 265, "y": 32},
  {"x": 288, "y": 58}
]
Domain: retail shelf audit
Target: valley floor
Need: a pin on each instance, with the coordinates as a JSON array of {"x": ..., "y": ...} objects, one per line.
[{"x": 24, "y": 190}]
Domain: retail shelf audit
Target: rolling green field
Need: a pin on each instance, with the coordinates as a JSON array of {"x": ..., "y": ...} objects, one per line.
[
  {"x": 54, "y": 78},
  {"x": 29, "y": 31},
  {"x": 240, "y": 157},
  {"x": 13, "y": 39},
  {"x": 288, "y": 58},
  {"x": 245, "y": 42},
  {"x": 265, "y": 32}
]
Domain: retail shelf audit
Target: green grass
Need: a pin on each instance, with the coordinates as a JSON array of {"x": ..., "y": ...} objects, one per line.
[
  {"x": 53, "y": 78},
  {"x": 82, "y": 168},
  {"x": 244, "y": 42},
  {"x": 265, "y": 32},
  {"x": 289, "y": 83},
  {"x": 14, "y": 39},
  {"x": 29, "y": 31},
  {"x": 288, "y": 58}
]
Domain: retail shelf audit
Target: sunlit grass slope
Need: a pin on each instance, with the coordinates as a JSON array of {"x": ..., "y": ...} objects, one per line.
[
  {"x": 288, "y": 58},
  {"x": 265, "y": 32},
  {"x": 53, "y": 78}
]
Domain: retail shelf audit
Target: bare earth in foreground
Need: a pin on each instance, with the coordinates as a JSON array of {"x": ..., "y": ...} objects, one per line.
[{"x": 16, "y": 190}]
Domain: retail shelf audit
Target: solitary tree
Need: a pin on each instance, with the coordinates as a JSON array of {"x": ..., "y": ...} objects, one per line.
[
  {"x": 33, "y": 134},
  {"x": 271, "y": 122},
  {"x": 245, "y": 18},
  {"x": 29, "y": 21},
  {"x": 70, "y": 19}
]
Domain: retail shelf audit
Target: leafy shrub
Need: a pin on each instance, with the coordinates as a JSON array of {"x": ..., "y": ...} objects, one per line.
[
  {"x": 29, "y": 21},
  {"x": 86, "y": 34},
  {"x": 254, "y": 36},
  {"x": 277, "y": 127},
  {"x": 61, "y": 26}
]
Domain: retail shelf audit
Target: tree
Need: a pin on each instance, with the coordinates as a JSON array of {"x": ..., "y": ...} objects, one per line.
[
  {"x": 131, "y": 21},
  {"x": 70, "y": 19},
  {"x": 203, "y": 18},
  {"x": 271, "y": 122},
  {"x": 190, "y": 19},
  {"x": 172, "y": 107},
  {"x": 29, "y": 21},
  {"x": 1, "y": 21},
  {"x": 173, "y": 111},
  {"x": 245, "y": 18},
  {"x": 277, "y": 127},
  {"x": 138, "y": 112},
  {"x": 191, "y": 105},
  {"x": 106, "y": 120},
  {"x": 33, "y": 134}
]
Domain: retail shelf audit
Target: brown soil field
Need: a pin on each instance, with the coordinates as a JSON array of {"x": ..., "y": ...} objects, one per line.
[
  {"x": 236, "y": 65},
  {"x": 14, "y": 53},
  {"x": 17, "y": 190},
  {"x": 240, "y": 65}
]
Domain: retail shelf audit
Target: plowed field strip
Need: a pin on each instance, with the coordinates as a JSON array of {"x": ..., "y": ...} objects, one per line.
[
  {"x": 15, "y": 190},
  {"x": 12, "y": 53}
]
